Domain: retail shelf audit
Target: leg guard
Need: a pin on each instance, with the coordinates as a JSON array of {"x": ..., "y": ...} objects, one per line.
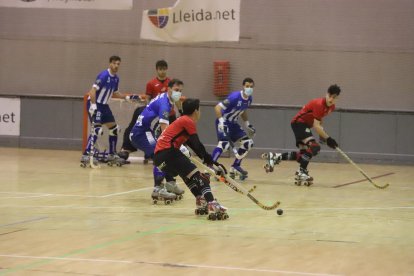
[
  {"x": 158, "y": 176},
  {"x": 245, "y": 145},
  {"x": 201, "y": 182},
  {"x": 113, "y": 138}
]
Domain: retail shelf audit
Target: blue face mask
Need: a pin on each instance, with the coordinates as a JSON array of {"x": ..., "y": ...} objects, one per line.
[
  {"x": 248, "y": 91},
  {"x": 175, "y": 96}
]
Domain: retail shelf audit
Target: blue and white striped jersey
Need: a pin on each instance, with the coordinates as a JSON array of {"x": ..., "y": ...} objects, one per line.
[
  {"x": 105, "y": 85},
  {"x": 157, "y": 111},
  {"x": 234, "y": 105}
]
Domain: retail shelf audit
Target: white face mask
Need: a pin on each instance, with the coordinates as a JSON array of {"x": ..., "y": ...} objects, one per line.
[
  {"x": 175, "y": 96},
  {"x": 248, "y": 91}
]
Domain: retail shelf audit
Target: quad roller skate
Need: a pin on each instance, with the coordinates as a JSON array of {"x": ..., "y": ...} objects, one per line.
[
  {"x": 201, "y": 206},
  {"x": 238, "y": 171},
  {"x": 85, "y": 161},
  {"x": 115, "y": 160},
  {"x": 216, "y": 211},
  {"x": 272, "y": 159},
  {"x": 161, "y": 194},
  {"x": 173, "y": 188},
  {"x": 302, "y": 177}
]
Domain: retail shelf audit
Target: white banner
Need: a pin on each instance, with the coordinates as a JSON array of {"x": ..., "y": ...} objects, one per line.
[
  {"x": 193, "y": 21},
  {"x": 10, "y": 116},
  {"x": 69, "y": 4}
]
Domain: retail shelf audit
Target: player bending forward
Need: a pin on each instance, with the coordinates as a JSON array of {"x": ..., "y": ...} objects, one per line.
[
  {"x": 171, "y": 160},
  {"x": 310, "y": 116}
]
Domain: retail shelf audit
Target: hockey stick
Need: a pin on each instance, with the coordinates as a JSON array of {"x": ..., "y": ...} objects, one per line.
[
  {"x": 232, "y": 184},
  {"x": 360, "y": 170},
  {"x": 92, "y": 148}
]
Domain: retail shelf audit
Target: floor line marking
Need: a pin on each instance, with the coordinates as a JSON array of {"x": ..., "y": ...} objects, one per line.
[
  {"x": 183, "y": 265},
  {"x": 362, "y": 180},
  {"x": 133, "y": 236},
  {"x": 24, "y": 221},
  {"x": 127, "y": 192}
]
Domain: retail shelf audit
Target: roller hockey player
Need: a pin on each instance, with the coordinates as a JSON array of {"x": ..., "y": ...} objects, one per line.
[
  {"x": 310, "y": 116},
  {"x": 229, "y": 131},
  {"x": 170, "y": 159},
  {"x": 144, "y": 137},
  {"x": 105, "y": 87}
]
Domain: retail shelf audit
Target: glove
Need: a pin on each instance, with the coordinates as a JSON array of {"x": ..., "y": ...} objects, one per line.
[
  {"x": 251, "y": 131},
  {"x": 132, "y": 98},
  {"x": 208, "y": 160},
  {"x": 185, "y": 151},
  {"x": 331, "y": 143},
  {"x": 92, "y": 109},
  {"x": 222, "y": 126},
  {"x": 220, "y": 170}
]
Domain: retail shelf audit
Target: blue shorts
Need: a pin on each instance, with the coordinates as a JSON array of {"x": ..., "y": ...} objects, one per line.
[
  {"x": 235, "y": 132},
  {"x": 103, "y": 113},
  {"x": 144, "y": 140}
]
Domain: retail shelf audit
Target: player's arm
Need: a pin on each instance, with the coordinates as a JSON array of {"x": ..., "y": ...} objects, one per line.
[
  {"x": 319, "y": 129},
  {"x": 92, "y": 94},
  {"x": 195, "y": 144},
  {"x": 244, "y": 116}
]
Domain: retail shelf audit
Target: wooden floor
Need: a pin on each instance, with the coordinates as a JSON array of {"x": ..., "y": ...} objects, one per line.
[{"x": 59, "y": 219}]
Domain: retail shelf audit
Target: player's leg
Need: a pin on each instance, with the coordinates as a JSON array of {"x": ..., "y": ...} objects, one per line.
[
  {"x": 145, "y": 141},
  {"x": 127, "y": 146},
  {"x": 236, "y": 133},
  {"x": 93, "y": 136},
  {"x": 108, "y": 120},
  {"x": 223, "y": 144},
  {"x": 308, "y": 147},
  {"x": 198, "y": 183}
]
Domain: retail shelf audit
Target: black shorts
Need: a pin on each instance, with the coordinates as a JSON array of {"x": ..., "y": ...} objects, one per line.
[
  {"x": 174, "y": 162},
  {"x": 301, "y": 131},
  {"x": 126, "y": 143}
]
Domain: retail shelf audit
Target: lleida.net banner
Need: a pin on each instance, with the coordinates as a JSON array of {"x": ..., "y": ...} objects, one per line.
[
  {"x": 10, "y": 116},
  {"x": 69, "y": 4},
  {"x": 193, "y": 21}
]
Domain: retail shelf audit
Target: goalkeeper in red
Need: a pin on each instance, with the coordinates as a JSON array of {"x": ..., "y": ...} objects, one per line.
[
  {"x": 171, "y": 160},
  {"x": 310, "y": 116}
]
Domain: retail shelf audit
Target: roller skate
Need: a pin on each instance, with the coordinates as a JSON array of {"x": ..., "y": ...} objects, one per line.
[
  {"x": 201, "y": 206},
  {"x": 85, "y": 161},
  {"x": 114, "y": 159},
  {"x": 173, "y": 188},
  {"x": 216, "y": 211},
  {"x": 272, "y": 159},
  {"x": 238, "y": 171},
  {"x": 302, "y": 177},
  {"x": 124, "y": 155},
  {"x": 161, "y": 194}
]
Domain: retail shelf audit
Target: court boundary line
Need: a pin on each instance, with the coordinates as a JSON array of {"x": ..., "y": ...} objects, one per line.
[{"x": 178, "y": 265}]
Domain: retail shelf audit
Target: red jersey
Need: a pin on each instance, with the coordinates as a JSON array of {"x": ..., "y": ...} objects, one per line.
[
  {"x": 315, "y": 109},
  {"x": 155, "y": 87},
  {"x": 176, "y": 134}
]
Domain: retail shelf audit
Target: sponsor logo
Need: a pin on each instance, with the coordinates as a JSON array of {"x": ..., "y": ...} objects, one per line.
[{"x": 158, "y": 17}]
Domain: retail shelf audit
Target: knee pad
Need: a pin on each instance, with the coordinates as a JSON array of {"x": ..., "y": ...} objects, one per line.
[
  {"x": 313, "y": 147},
  {"x": 246, "y": 143},
  {"x": 224, "y": 145},
  {"x": 98, "y": 130},
  {"x": 114, "y": 130}
]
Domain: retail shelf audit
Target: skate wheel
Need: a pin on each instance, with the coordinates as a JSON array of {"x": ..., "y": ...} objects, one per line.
[
  {"x": 110, "y": 164},
  {"x": 265, "y": 155},
  {"x": 225, "y": 216},
  {"x": 154, "y": 201},
  {"x": 82, "y": 165},
  {"x": 167, "y": 202},
  {"x": 118, "y": 164},
  {"x": 219, "y": 217},
  {"x": 297, "y": 183},
  {"x": 212, "y": 216},
  {"x": 179, "y": 197}
]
